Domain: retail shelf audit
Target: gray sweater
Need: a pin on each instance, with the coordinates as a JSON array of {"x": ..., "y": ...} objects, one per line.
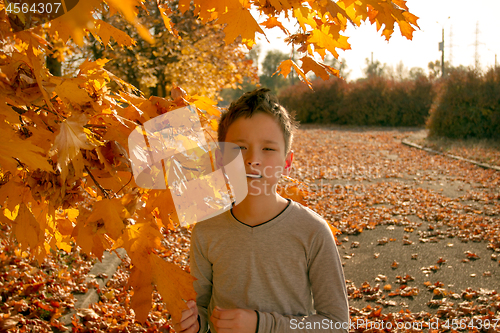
[{"x": 288, "y": 269}]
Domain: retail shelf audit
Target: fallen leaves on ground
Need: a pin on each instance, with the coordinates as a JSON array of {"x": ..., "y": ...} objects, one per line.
[{"x": 357, "y": 180}]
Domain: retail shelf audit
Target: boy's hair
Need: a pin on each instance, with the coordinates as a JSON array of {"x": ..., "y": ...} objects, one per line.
[{"x": 252, "y": 102}]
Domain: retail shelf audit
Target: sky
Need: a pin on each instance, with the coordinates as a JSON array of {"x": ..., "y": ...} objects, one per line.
[{"x": 459, "y": 18}]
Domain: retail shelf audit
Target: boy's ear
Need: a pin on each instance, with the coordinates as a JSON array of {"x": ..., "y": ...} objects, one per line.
[{"x": 288, "y": 160}]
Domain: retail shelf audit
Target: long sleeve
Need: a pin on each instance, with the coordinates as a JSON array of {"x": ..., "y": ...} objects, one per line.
[
  {"x": 329, "y": 294},
  {"x": 202, "y": 270},
  {"x": 288, "y": 269}
]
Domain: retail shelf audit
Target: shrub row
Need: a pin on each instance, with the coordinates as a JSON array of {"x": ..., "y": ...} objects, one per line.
[
  {"x": 467, "y": 106},
  {"x": 371, "y": 102}
]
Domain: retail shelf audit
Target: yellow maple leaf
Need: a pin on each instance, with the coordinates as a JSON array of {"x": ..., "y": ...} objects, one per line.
[
  {"x": 280, "y": 5},
  {"x": 401, "y": 3},
  {"x": 184, "y": 5},
  {"x": 27, "y": 229},
  {"x": 39, "y": 71},
  {"x": 70, "y": 92},
  {"x": 90, "y": 237},
  {"x": 14, "y": 190},
  {"x": 8, "y": 114},
  {"x": 105, "y": 30},
  {"x": 68, "y": 142},
  {"x": 112, "y": 212},
  {"x": 272, "y": 22},
  {"x": 321, "y": 70},
  {"x": 239, "y": 22},
  {"x": 167, "y": 21},
  {"x": 285, "y": 68},
  {"x": 329, "y": 38},
  {"x": 128, "y": 8},
  {"x": 305, "y": 18},
  {"x": 163, "y": 202},
  {"x": 13, "y": 148},
  {"x": 176, "y": 289},
  {"x": 141, "y": 280},
  {"x": 139, "y": 240},
  {"x": 205, "y": 104},
  {"x": 84, "y": 237},
  {"x": 73, "y": 23}
]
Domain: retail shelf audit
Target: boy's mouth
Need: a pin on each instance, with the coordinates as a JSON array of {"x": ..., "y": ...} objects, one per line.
[{"x": 250, "y": 175}]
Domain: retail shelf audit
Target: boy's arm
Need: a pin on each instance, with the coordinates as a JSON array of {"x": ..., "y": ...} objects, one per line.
[
  {"x": 329, "y": 293},
  {"x": 201, "y": 269}
]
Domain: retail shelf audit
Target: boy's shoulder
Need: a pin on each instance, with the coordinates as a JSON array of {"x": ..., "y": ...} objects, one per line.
[
  {"x": 214, "y": 224},
  {"x": 307, "y": 218}
]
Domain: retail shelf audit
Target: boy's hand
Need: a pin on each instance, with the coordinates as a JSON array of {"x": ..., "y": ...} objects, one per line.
[
  {"x": 234, "y": 320},
  {"x": 189, "y": 321}
]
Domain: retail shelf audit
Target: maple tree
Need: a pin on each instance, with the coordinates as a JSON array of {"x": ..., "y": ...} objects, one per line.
[
  {"x": 65, "y": 172},
  {"x": 196, "y": 51}
]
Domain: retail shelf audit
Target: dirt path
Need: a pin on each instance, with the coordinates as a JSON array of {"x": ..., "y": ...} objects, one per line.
[{"x": 408, "y": 217}]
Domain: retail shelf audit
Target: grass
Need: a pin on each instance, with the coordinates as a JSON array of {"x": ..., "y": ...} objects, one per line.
[{"x": 480, "y": 150}]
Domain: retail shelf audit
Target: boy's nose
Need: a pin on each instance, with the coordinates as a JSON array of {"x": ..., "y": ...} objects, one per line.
[{"x": 252, "y": 158}]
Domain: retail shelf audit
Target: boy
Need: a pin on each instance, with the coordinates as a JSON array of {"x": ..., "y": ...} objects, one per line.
[{"x": 269, "y": 264}]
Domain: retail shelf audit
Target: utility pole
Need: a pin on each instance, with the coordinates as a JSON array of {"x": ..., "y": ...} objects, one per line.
[
  {"x": 476, "y": 54},
  {"x": 441, "y": 48}
]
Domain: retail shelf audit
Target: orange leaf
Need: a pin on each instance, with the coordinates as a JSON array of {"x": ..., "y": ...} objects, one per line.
[
  {"x": 73, "y": 23},
  {"x": 128, "y": 8},
  {"x": 167, "y": 21},
  {"x": 328, "y": 37},
  {"x": 272, "y": 22},
  {"x": 176, "y": 289},
  {"x": 321, "y": 70},
  {"x": 286, "y": 66},
  {"x": 24, "y": 150},
  {"x": 141, "y": 281},
  {"x": 68, "y": 142},
  {"x": 70, "y": 92},
  {"x": 240, "y": 22},
  {"x": 105, "y": 30},
  {"x": 109, "y": 210},
  {"x": 280, "y": 5},
  {"x": 27, "y": 229}
]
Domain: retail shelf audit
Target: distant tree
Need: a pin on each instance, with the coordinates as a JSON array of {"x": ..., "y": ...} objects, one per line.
[
  {"x": 398, "y": 72},
  {"x": 374, "y": 69},
  {"x": 402, "y": 72},
  {"x": 271, "y": 62},
  {"x": 435, "y": 68},
  {"x": 416, "y": 72},
  {"x": 340, "y": 65}
]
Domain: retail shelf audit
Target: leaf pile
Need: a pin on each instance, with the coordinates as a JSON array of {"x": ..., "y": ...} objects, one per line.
[
  {"x": 34, "y": 296},
  {"x": 376, "y": 182},
  {"x": 362, "y": 180}
]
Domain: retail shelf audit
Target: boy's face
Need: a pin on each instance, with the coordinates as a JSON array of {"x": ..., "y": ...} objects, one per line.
[{"x": 262, "y": 145}]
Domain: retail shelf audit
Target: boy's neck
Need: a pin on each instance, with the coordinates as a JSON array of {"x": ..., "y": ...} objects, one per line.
[{"x": 254, "y": 210}]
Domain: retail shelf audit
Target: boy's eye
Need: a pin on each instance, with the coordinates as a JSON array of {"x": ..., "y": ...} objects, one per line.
[
  {"x": 240, "y": 147},
  {"x": 269, "y": 149}
]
